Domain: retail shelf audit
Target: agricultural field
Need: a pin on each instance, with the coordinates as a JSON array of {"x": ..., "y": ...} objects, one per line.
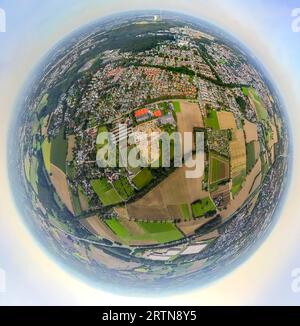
[
  {"x": 250, "y": 130},
  {"x": 60, "y": 183},
  {"x": 71, "y": 144},
  {"x": 251, "y": 156},
  {"x": 218, "y": 168},
  {"x": 83, "y": 198},
  {"x": 106, "y": 193},
  {"x": 188, "y": 119},
  {"x": 33, "y": 175},
  {"x": 211, "y": 121},
  {"x": 226, "y": 120},
  {"x": 237, "y": 153},
  {"x": 59, "y": 147},
  {"x": 237, "y": 183},
  {"x": 261, "y": 112},
  {"x": 143, "y": 178},
  {"x": 163, "y": 202},
  {"x": 185, "y": 209},
  {"x": 202, "y": 207},
  {"x": 124, "y": 188},
  {"x": 46, "y": 150},
  {"x": 75, "y": 203},
  {"x": 149, "y": 232},
  {"x": 27, "y": 166}
]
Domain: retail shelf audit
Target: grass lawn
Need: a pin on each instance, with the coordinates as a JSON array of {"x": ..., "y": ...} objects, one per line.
[
  {"x": 185, "y": 209},
  {"x": 177, "y": 107},
  {"x": 124, "y": 188},
  {"x": 250, "y": 156},
  {"x": 211, "y": 121},
  {"x": 46, "y": 150},
  {"x": 59, "y": 148},
  {"x": 203, "y": 206},
  {"x": 143, "y": 178},
  {"x": 106, "y": 193}
]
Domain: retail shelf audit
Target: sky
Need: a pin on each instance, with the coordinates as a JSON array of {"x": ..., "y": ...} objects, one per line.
[{"x": 32, "y": 28}]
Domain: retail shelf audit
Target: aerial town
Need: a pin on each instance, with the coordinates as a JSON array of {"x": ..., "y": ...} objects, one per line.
[{"x": 143, "y": 222}]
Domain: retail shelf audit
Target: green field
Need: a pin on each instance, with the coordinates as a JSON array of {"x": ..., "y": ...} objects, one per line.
[
  {"x": 143, "y": 178},
  {"x": 82, "y": 192},
  {"x": 154, "y": 231},
  {"x": 202, "y": 207},
  {"x": 106, "y": 193},
  {"x": 71, "y": 171},
  {"x": 250, "y": 148},
  {"x": 217, "y": 169},
  {"x": 59, "y": 148},
  {"x": 124, "y": 188},
  {"x": 161, "y": 231},
  {"x": 177, "y": 107},
  {"x": 75, "y": 203},
  {"x": 211, "y": 121},
  {"x": 46, "y": 150},
  {"x": 118, "y": 228},
  {"x": 34, "y": 179},
  {"x": 185, "y": 209},
  {"x": 245, "y": 91},
  {"x": 237, "y": 183},
  {"x": 262, "y": 113}
]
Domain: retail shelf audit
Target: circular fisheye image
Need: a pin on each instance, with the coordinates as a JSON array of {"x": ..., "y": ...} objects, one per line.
[{"x": 151, "y": 153}]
